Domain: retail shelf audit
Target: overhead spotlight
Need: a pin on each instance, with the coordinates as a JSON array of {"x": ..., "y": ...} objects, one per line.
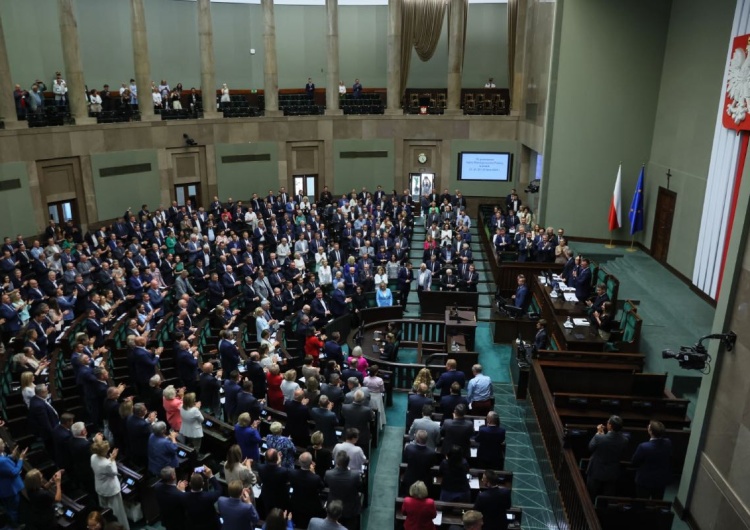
[{"x": 189, "y": 141}]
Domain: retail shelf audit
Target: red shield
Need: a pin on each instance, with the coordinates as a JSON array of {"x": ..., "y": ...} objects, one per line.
[{"x": 736, "y": 113}]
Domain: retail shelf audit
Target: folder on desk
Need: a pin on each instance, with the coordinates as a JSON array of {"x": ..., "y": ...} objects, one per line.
[
  {"x": 570, "y": 297},
  {"x": 581, "y": 321}
]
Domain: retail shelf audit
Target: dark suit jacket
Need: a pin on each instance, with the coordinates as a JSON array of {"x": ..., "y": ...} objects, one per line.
[
  {"x": 171, "y": 503},
  {"x": 200, "y": 513},
  {"x": 582, "y": 283},
  {"x": 187, "y": 368},
  {"x": 231, "y": 391},
  {"x": 541, "y": 340},
  {"x": 138, "y": 431},
  {"x": 414, "y": 407},
  {"x": 420, "y": 459},
  {"x": 338, "y": 304},
  {"x": 256, "y": 374},
  {"x": 61, "y": 437},
  {"x": 345, "y": 485},
  {"x": 297, "y": 415},
  {"x": 306, "y": 496},
  {"x": 654, "y": 462},
  {"x": 446, "y": 379},
  {"x": 491, "y": 450},
  {"x": 325, "y": 422},
  {"x": 493, "y": 503},
  {"x": 42, "y": 418},
  {"x": 209, "y": 392},
  {"x": 80, "y": 462},
  {"x": 274, "y": 481},
  {"x": 448, "y": 404},
  {"x": 457, "y": 432},
  {"x": 606, "y": 452},
  {"x": 358, "y": 417},
  {"x": 246, "y": 402},
  {"x": 230, "y": 357}
]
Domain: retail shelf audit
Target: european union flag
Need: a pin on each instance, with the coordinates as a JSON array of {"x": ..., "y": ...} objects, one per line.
[{"x": 636, "y": 207}]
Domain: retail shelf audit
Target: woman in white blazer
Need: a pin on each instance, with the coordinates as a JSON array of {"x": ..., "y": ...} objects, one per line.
[
  {"x": 106, "y": 481},
  {"x": 192, "y": 421}
]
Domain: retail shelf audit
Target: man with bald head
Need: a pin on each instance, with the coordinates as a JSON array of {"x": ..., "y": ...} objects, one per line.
[
  {"x": 145, "y": 363},
  {"x": 210, "y": 387},
  {"x": 274, "y": 492},
  {"x": 307, "y": 487}
]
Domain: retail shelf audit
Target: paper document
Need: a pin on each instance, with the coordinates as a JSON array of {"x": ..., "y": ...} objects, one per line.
[
  {"x": 570, "y": 297},
  {"x": 474, "y": 483},
  {"x": 477, "y": 424},
  {"x": 553, "y": 294},
  {"x": 542, "y": 280},
  {"x": 473, "y": 451},
  {"x": 581, "y": 321},
  {"x": 438, "y": 520}
]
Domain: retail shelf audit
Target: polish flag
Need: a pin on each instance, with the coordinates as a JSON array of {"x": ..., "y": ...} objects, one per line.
[{"x": 615, "y": 210}]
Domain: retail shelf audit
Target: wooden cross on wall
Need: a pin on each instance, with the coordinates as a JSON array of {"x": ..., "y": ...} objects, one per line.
[{"x": 669, "y": 176}]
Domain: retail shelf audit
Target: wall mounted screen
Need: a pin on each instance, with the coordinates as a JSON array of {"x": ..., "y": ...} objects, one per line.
[{"x": 492, "y": 167}]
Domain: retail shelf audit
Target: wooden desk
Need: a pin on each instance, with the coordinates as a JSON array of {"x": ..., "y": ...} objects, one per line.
[
  {"x": 558, "y": 305},
  {"x": 507, "y": 329},
  {"x": 519, "y": 376},
  {"x": 580, "y": 338},
  {"x": 465, "y": 324}
]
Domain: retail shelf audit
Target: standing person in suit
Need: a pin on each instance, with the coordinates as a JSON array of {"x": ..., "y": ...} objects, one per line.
[
  {"x": 582, "y": 281},
  {"x": 521, "y": 297},
  {"x": 274, "y": 479},
  {"x": 43, "y": 417},
  {"x": 541, "y": 340},
  {"x": 654, "y": 462},
  {"x": 237, "y": 510},
  {"x": 405, "y": 279},
  {"x": 448, "y": 403},
  {"x": 491, "y": 440},
  {"x": 11, "y": 483},
  {"x": 419, "y": 458},
  {"x": 325, "y": 420},
  {"x": 457, "y": 431},
  {"x": 334, "y": 510},
  {"x": 493, "y": 502},
  {"x": 200, "y": 513},
  {"x": 345, "y": 485},
  {"x": 307, "y": 486},
  {"x": 424, "y": 278},
  {"x": 450, "y": 376},
  {"x": 170, "y": 496},
  {"x": 606, "y": 452},
  {"x": 357, "y": 415},
  {"x": 416, "y": 403}
]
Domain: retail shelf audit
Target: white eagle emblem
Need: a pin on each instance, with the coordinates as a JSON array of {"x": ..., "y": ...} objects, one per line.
[{"x": 738, "y": 85}]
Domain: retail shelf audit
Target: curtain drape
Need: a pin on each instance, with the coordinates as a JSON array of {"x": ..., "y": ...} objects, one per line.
[
  {"x": 512, "y": 26},
  {"x": 421, "y": 25}
]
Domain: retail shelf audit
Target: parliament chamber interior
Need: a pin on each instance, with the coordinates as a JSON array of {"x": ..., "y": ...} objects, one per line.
[{"x": 359, "y": 264}]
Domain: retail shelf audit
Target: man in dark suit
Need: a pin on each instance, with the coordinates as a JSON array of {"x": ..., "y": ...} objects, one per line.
[
  {"x": 493, "y": 502},
  {"x": 232, "y": 389},
  {"x": 42, "y": 417},
  {"x": 79, "y": 447},
  {"x": 491, "y": 440},
  {"x": 457, "y": 431},
  {"x": 138, "y": 432},
  {"x": 405, "y": 279},
  {"x": 325, "y": 420},
  {"x": 334, "y": 391},
  {"x": 332, "y": 348},
  {"x": 246, "y": 401},
  {"x": 229, "y": 354},
  {"x": 145, "y": 364},
  {"x": 448, "y": 403},
  {"x": 200, "y": 513},
  {"x": 570, "y": 263},
  {"x": 541, "y": 339},
  {"x": 256, "y": 374},
  {"x": 186, "y": 363},
  {"x": 521, "y": 298},
  {"x": 307, "y": 486},
  {"x": 209, "y": 387},
  {"x": 420, "y": 458},
  {"x": 595, "y": 305},
  {"x": 339, "y": 301},
  {"x": 450, "y": 376},
  {"x": 61, "y": 436},
  {"x": 582, "y": 281},
  {"x": 297, "y": 416},
  {"x": 606, "y": 452},
  {"x": 170, "y": 496},
  {"x": 416, "y": 402},
  {"x": 654, "y": 462},
  {"x": 357, "y": 415},
  {"x": 274, "y": 481},
  {"x": 320, "y": 308},
  {"x": 345, "y": 485}
]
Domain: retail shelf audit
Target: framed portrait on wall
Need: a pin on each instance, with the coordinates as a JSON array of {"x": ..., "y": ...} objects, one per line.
[{"x": 421, "y": 183}]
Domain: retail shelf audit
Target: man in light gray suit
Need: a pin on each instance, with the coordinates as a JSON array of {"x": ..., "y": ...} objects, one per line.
[
  {"x": 182, "y": 285},
  {"x": 427, "y": 424},
  {"x": 355, "y": 387}
]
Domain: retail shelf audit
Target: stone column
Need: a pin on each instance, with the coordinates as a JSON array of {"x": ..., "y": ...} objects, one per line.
[
  {"x": 455, "y": 54},
  {"x": 73, "y": 67},
  {"x": 270, "y": 68},
  {"x": 208, "y": 70},
  {"x": 141, "y": 61},
  {"x": 394, "y": 58},
  {"x": 332, "y": 40},
  {"x": 7, "y": 101}
]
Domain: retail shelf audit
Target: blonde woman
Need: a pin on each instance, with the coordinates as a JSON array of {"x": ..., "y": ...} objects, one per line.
[
  {"x": 424, "y": 376},
  {"x": 325, "y": 276},
  {"x": 172, "y": 400},
  {"x": 27, "y": 387},
  {"x": 289, "y": 385},
  {"x": 381, "y": 276},
  {"x": 299, "y": 262},
  {"x": 106, "y": 481},
  {"x": 358, "y": 362},
  {"x": 21, "y": 307},
  {"x": 192, "y": 421}
]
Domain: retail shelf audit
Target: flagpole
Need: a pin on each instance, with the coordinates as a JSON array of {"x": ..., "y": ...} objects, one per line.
[
  {"x": 632, "y": 243},
  {"x": 610, "y": 241}
]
